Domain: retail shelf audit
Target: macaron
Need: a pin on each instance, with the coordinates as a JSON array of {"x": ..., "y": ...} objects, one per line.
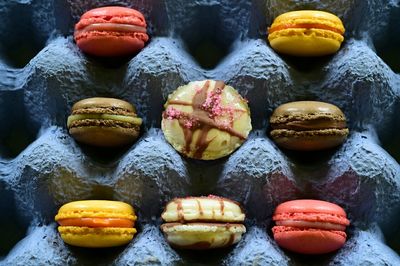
[
  {"x": 206, "y": 119},
  {"x": 111, "y": 31},
  {"x": 310, "y": 226},
  {"x": 308, "y": 126},
  {"x": 96, "y": 223},
  {"x": 105, "y": 122},
  {"x": 306, "y": 33},
  {"x": 203, "y": 222}
]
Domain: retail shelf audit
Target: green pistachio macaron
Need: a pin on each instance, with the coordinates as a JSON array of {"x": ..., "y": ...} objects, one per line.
[{"x": 105, "y": 122}]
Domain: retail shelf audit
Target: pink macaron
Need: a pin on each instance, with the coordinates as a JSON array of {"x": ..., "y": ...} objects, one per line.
[
  {"x": 310, "y": 226},
  {"x": 111, "y": 31}
]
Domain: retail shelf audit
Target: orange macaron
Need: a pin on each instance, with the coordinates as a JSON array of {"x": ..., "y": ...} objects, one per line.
[
  {"x": 111, "y": 31},
  {"x": 306, "y": 33},
  {"x": 96, "y": 223},
  {"x": 310, "y": 226}
]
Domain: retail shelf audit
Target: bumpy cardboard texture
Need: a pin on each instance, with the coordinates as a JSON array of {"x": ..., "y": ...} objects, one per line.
[{"x": 42, "y": 73}]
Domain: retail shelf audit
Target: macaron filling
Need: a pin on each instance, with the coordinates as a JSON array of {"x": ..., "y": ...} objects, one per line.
[
  {"x": 312, "y": 217},
  {"x": 306, "y": 224},
  {"x": 314, "y": 124},
  {"x": 304, "y": 26},
  {"x": 277, "y": 230},
  {"x": 96, "y": 222},
  {"x": 112, "y": 27},
  {"x": 119, "y": 118}
]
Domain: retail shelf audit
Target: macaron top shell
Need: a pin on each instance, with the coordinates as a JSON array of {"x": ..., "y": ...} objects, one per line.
[
  {"x": 309, "y": 206},
  {"x": 311, "y": 211},
  {"x": 306, "y": 110},
  {"x": 211, "y": 208},
  {"x": 319, "y": 19},
  {"x": 111, "y": 14},
  {"x": 101, "y": 102},
  {"x": 96, "y": 209}
]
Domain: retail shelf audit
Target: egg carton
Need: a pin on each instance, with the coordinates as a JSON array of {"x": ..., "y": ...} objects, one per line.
[{"x": 42, "y": 73}]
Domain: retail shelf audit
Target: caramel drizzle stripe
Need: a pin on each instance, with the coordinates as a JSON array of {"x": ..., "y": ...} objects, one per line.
[
  {"x": 181, "y": 216},
  {"x": 200, "y": 208},
  {"x": 231, "y": 239},
  {"x": 222, "y": 206},
  {"x": 178, "y": 102}
]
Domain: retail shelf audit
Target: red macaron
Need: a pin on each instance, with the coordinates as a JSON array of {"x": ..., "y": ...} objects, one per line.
[
  {"x": 310, "y": 226},
  {"x": 111, "y": 31}
]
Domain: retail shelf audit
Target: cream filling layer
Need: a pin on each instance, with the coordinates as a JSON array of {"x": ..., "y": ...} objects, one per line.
[
  {"x": 120, "y": 118},
  {"x": 112, "y": 27},
  {"x": 307, "y": 224}
]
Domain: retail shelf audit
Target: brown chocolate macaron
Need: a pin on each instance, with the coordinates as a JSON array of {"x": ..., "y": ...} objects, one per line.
[
  {"x": 105, "y": 122},
  {"x": 308, "y": 125}
]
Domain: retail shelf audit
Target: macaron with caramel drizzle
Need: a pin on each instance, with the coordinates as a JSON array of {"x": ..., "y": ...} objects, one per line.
[
  {"x": 203, "y": 222},
  {"x": 111, "y": 31},
  {"x": 206, "y": 119},
  {"x": 96, "y": 223}
]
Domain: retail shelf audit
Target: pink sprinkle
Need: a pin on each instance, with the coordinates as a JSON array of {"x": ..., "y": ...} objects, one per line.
[
  {"x": 188, "y": 123},
  {"x": 172, "y": 113},
  {"x": 225, "y": 124},
  {"x": 213, "y": 103}
]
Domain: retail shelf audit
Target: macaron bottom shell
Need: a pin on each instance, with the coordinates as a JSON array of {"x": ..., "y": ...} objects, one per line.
[
  {"x": 110, "y": 45},
  {"x": 105, "y": 136},
  {"x": 309, "y": 241},
  {"x": 305, "y": 43},
  {"x": 96, "y": 237},
  {"x": 309, "y": 140},
  {"x": 202, "y": 235}
]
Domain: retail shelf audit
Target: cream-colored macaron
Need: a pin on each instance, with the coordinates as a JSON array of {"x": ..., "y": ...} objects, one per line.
[
  {"x": 206, "y": 119},
  {"x": 203, "y": 222}
]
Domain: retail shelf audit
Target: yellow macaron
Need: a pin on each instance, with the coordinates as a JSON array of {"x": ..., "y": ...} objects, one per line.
[
  {"x": 203, "y": 222},
  {"x": 96, "y": 223},
  {"x": 306, "y": 33}
]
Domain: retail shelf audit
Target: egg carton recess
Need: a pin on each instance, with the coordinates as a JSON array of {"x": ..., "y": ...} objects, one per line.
[{"x": 42, "y": 73}]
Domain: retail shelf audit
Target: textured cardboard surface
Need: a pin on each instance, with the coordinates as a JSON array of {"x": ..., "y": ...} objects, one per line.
[{"x": 42, "y": 73}]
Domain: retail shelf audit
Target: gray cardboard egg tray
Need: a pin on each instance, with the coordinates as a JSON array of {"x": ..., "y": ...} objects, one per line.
[{"x": 42, "y": 73}]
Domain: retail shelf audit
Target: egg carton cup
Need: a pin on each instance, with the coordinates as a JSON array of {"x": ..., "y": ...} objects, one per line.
[{"x": 42, "y": 73}]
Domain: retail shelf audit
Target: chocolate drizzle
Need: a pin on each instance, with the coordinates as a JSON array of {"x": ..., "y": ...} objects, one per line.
[
  {"x": 200, "y": 208},
  {"x": 231, "y": 239},
  {"x": 221, "y": 203},
  {"x": 205, "y": 110},
  {"x": 181, "y": 216}
]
